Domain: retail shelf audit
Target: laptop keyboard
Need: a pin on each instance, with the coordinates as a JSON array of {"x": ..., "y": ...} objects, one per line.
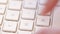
[{"x": 23, "y": 16}]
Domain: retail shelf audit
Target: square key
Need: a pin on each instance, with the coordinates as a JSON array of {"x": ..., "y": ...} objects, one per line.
[
  {"x": 14, "y": 5},
  {"x": 9, "y": 26},
  {"x": 43, "y": 20},
  {"x": 30, "y": 4},
  {"x": 28, "y": 14},
  {"x": 26, "y": 24},
  {"x": 1, "y": 18},
  {"x": 3, "y": 1},
  {"x": 2, "y": 9},
  {"x": 12, "y": 15}
]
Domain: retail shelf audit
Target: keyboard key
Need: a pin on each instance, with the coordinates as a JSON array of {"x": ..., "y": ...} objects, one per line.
[
  {"x": 28, "y": 14},
  {"x": 14, "y": 5},
  {"x": 9, "y": 26},
  {"x": 2, "y": 9},
  {"x": 1, "y": 18},
  {"x": 24, "y": 32},
  {"x": 30, "y": 4},
  {"x": 42, "y": 1},
  {"x": 26, "y": 24},
  {"x": 12, "y": 15},
  {"x": 43, "y": 20},
  {"x": 3, "y": 1}
]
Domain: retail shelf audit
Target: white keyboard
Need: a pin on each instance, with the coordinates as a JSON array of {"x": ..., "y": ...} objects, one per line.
[{"x": 23, "y": 16}]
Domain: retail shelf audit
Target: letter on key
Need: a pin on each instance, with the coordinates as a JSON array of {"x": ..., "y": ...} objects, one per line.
[
  {"x": 12, "y": 15},
  {"x": 26, "y": 25},
  {"x": 28, "y": 14},
  {"x": 9, "y": 26},
  {"x": 43, "y": 20}
]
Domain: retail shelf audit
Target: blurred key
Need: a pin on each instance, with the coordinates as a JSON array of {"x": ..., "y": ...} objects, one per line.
[
  {"x": 9, "y": 26},
  {"x": 30, "y": 4},
  {"x": 26, "y": 25},
  {"x": 28, "y": 14},
  {"x": 13, "y": 4},
  {"x": 43, "y": 20},
  {"x": 12, "y": 15}
]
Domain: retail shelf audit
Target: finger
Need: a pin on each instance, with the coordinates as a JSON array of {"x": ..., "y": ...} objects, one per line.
[{"x": 49, "y": 6}]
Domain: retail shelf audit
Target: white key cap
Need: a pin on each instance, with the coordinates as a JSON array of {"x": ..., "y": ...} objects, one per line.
[
  {"x": 30, "y": 4},
  {"x": 14, "y": 4},
  {"x": 42, "y": 1},
  {"x": 1, "y": 18},
  {"x": 3, "y": 1},
  {"x": 12, "y": 15},
  {"x": 2, "y": 9},
  {"x": 9, "y": 26},
  {"x": 26, "y": 25},
  {"x": 43, "y": 20},
  {"x": 28, "y": 14},
  {"x": 24, "y": 32}
]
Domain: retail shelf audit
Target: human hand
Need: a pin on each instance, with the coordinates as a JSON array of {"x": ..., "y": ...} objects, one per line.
[{"x": 49, "y": 6}]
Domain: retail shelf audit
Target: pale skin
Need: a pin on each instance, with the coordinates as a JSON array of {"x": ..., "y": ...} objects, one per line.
[{"x": 48, "y": 7}]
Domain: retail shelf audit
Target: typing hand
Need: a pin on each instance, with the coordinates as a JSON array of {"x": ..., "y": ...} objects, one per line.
[{"x": 49, "y": 5}]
